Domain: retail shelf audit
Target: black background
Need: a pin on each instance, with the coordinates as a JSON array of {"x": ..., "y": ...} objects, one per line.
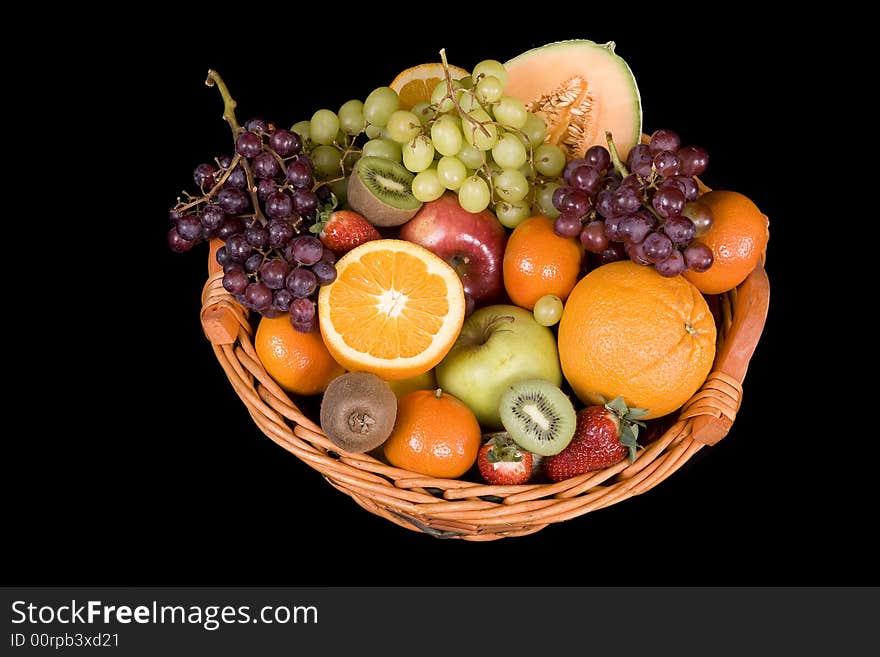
[{"x": 141, "y": 466}]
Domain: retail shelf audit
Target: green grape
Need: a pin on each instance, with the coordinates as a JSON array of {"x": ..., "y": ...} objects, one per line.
[
  {"x": 375, "y": 132},
  {"x": 535, "y": 129},
  {"x": 351, "y": 117},
  {"x": 324, "y": 126},
  {"x": 339, "y": 188},
  {"x": 380, "y": 104},
  {"x": 527, "y": 171},
  {"x": 511, "y": 185},
  {"x": 473, "y": 195},
  {"x": 468, "y": 102},
  {"x": 548, "y": 310},
  {"x": 510, "y": 111},
  {"x": 424, "y": 112},
  {"x": 549, "y": 160},
  {"x": 302, "y": 129},
  {"x": 427, "y": 186},
  {"x": 489, "y": 89},
  {"x": 418, "y": 154},
  {"x": 451, "y": 172},
  {"x": 342, "y": 139},
  {"x": 544, "y": 199},
  {"x": 475, "y": 135},
  {"x": 402, "y": 126},
  {"x": 326, "y": 161},
  {"x": 490, "y": 67},
  {"x": 509, "y": 152},
  {"x": 470, "y": 156},
  {"x": 512, "y": 214},
  {"x": 467, "y": 82},
  {"x": 390, "y": 150},
  {"x": 446, "y": 135},
  {"x": 439, "y": 99}
]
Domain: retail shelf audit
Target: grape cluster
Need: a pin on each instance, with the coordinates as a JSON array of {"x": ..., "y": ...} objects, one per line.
[
  {"x": 260, "y": 203},
  {"x": 647, "y": 210}
]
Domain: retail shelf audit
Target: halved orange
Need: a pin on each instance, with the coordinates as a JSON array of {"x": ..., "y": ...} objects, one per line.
[
  {"x": 414, "y": 85},
  {"x": 395, "y": 309}
]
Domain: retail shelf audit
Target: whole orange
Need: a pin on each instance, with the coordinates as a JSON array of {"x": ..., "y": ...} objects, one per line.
[
  {"x": 537, "y": 261},
  {"x": 737, "y": 237},
  {"x": 435, "y": 435},
  {"x": 626, "y": 330},
  {"x": 299, "y": 362}
]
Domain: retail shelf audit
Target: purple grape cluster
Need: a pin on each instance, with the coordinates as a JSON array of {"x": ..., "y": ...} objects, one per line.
[
  {"x": 260, "y": 203},
  {"x": 646, "y": 211}
]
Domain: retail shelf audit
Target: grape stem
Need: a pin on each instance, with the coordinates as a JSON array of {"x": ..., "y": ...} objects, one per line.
[
  {"x": 450, "y": 94},
  {"x": 229, "y": 103},
  {"x": 216, "y": 188},
  {"x": 615, "y": 158}
]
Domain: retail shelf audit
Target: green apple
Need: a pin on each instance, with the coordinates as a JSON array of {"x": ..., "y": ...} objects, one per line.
[{"x": 497, "y": 347}]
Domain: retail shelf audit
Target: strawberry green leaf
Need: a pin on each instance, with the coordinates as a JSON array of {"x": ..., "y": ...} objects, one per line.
[
  {"x": 629, "y": 438},
  {"x": 618, "y": 406},
  {"x": 636, "y": 413},
  {"x": 492, "y": 456}
]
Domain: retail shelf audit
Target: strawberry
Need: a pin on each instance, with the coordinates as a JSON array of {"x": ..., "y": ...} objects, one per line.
[
  {"x": 502, "y": 462},
  {"x": 342, "y": 230},
  {"x": 603, "y": 436}
]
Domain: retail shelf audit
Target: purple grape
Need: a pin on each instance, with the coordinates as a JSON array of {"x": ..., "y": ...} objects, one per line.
[
  {"x": 325, "y": 272},
  {"x": 605, "y": 203},
  {"x": 257, "y": 236},
  {"x": 593, "y": 237},
  {"x": 301, "y": 282},
  {"x": 299, "y": 173},
  {"x": 176, "y": 243},
  {"x": 225, "y": 161},
  {"x": 173, "y": 215},
  {"x": 265, "y": 187},
  {"x": 212, "y": 217},
  {"x": 238, "y": 248},
  {"x": 613, "y": 253},
  {"x": 568, "y": 224},
  {"x": 233, "y": 200},
  {"x": 640, "y": 160},
  {"x": 636, "y": 253},
  {"x": 266, "y": 166},
  {"x": 598, "y": 156},
  {"x": 632, "y": 180},
  {"x": 664, "y": 140},
  {"x": 577, "y": 203},
  {"x": 698, "y": 257},
  {"x": 237, "y": 178},
  {"x": 189, "y": 227},
  {"x": 672, "y": 266},
  {"x": 280, "y": 233},
  {"x": 279, "y": 205},
  {"x": 612, "y": 228},
  {"x": 666, "y": 163},
  {"x": 656, "y": 247},
  {"x": 258, "y": 296},
  {"x": 305, "y": 203},
  {"x": 701, "y": 216},
  {"x": 273, "y": 272},
  {"x": 559, "y": 195},
  {"x": 285, "y": 143},
  {"x": 204, "y": 175},
  {"x": 305, "y": 250},
  {"x": 230, "y": 226},
  {"x": 230, "y": 265},
  {"x": 674, "y": 183},
  {"x": 257, "y": 125},
  {"x": 254, "y": 262},
  {"x": 625, "y": 200},
  {"x": 222, "y": 256},
  {"x": 281, "y": 300},
  {"x": 248, "y": 145},
  {"x": 694, "y": 160},
  {"x": 689, "y": 185},
  {"x": 323, "y": 193},
  {"x": 235, "y": 281},
  {"x": 635, "y": 227},
  {"x": 302, "y": 315},
  {"x": 680, "y": 230},
  {"x": 586, "y": 178},
  {"x": 208, "y": 233},
  {"x": 668, "y": 201},
  {"x": 571, "y": 166},
  {"x": 329, "y": 257}
]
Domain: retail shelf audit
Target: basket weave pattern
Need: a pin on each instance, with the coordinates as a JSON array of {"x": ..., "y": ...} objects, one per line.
[{"x": 450, "y": 508}]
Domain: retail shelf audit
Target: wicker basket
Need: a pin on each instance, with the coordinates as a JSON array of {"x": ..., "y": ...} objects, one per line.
[{"x": 451, "y": 508}]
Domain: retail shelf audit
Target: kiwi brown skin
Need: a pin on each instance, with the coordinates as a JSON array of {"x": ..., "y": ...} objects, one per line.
[
  {"x": 364, "y": 201},
  {"x": 358, "y": 411}
]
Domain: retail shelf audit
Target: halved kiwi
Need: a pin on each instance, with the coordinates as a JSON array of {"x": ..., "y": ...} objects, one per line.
[
  {"x": 538, "y": 416},
  {"x": 381, "y": 190},
  {"x": 358, "y": 411}
]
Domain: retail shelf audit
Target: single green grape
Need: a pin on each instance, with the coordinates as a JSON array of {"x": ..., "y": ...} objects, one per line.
[
  {"x": 512, "y": 214},
  {"x": 326, "y": 161},
  {"x": 482, "y": 137},
  {"x": 544, "y": 199},
  {"x": 351, "y": 117},
  {"x": 509, "y": 152},
  {"x": 548, "y": 310},
  {"x": 489, "y": 89},
  {"x": 427, "y": 186},
  {"x": 535, "y": 129},
  {"x": 324, "y": 126},
  {"x": 468, "y": 102},
  {"x": 339, "y": 187},
  {"x": 424, "y": 111},
  {"x": 470, "y": 156},
  {"x": 527, "y": 171},
  {"x": 467, "y": 82},
  {"x": 375, "y": 132},
  {"x": 390, "y": 150},
  {"x": 451, "y": 172},
  {"x": 510, "y": 111},
  {"x": 380, "y": 104},
  {"x": 473, "y": 195},
  {"x": 418, "y": 153},
  {"x": 511, "y": 185},
  {"x": 439, "y": 99},
  {"x": 302, "y": 129},
  {"x": 549, "y": 160},
  {"x": 446, "y": 135},
  {"x": 402, "y": 126},
  {"x": 490, "y": 67}
]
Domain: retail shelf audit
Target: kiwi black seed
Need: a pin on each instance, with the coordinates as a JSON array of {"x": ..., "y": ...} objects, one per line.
[
  {"x": 381, "y": 190},
  {"x": 358, "y": 411},
  {"x": 538, "y": 416}
]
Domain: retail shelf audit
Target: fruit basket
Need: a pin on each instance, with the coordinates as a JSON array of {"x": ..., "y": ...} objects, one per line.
[{"x": 455, "y": 508}]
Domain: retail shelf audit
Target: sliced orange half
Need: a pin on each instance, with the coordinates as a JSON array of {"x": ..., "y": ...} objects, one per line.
[
  {"x": 395, "y": 309},
  {"x": 414, "y": 85}
]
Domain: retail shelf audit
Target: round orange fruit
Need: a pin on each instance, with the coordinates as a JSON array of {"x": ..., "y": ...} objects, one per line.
[
  {"x": 538, "y": 262},
  {"x": 299, "y": 362},
  {"x": 414, "y": 85},
  {"x": 738, "y": 237},
  {"x": 628, "y": 331},
  {"x": 435, "y": 434}
]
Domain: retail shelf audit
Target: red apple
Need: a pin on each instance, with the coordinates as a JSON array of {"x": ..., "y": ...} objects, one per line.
[{"x": 472, "y": 243}]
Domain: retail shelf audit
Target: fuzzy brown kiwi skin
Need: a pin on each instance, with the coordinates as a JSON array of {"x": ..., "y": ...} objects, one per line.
[
  {"x": 377, "y": 212},
  {"x": 358, "y": 411}
]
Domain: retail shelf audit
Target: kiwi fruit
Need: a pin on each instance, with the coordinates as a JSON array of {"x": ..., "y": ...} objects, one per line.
[
  {"x": 358, "y": 411},
  {"x": 381, "y": 190},
  {"x": 538, "y": 416}
]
